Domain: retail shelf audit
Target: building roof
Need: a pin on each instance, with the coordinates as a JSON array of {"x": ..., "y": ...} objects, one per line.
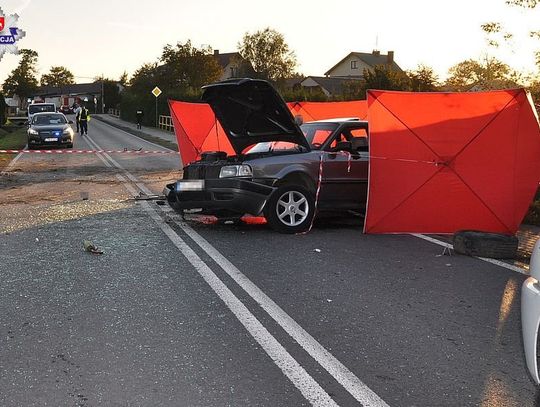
[
  {"x": 75, "y": 89},
  {"x": 334, "y": 85},
  {"x": 225, "y": 59},
  {"x": 372, "y": 59}
]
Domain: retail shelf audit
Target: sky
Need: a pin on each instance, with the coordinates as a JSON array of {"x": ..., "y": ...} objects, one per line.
[{"x": 108, "y": 37}]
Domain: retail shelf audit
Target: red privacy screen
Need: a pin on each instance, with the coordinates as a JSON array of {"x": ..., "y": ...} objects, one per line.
[{"x": 442, "y": 162}]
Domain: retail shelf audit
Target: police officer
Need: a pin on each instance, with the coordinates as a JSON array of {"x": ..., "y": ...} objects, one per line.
[
  {"x": 84, "y": 118},
  {"x": 77, "y": 112},
  {"x": 139, "y": 115}
]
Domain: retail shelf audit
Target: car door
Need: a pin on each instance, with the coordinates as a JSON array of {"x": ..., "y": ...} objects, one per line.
[{"x": 345, "y": 173}]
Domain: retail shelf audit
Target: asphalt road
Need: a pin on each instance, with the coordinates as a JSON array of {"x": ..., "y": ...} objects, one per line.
[{"x": 183, "y": 313}]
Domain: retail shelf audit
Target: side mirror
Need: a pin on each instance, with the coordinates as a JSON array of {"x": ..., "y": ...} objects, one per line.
[
  {"x": 70, "y": 122},
  {"x": 343, "y": 146}
]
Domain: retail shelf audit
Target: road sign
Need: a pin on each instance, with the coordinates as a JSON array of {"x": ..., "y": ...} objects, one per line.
[{"x": 156, "y": 91}]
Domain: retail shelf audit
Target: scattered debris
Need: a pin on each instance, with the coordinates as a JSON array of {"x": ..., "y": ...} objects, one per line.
[
  {"x": 329, "y": 300},
  {"x": 37, "y": 239},
  {"x": 144, "y": 197},
  {"x": 84, "y": 195},
  {"x": 447, "y": 251},
  {"x": 317, "y": 250},
  {"x": 91, "y": 248},
  {"x": 160, "y": 202}
]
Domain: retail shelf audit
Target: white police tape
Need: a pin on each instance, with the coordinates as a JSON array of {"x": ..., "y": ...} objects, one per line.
[{"x": 125, "y": 151}]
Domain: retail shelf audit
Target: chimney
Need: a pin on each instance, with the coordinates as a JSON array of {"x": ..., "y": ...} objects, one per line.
[
  {"x": 216, "y": 52},
  {"x": 376, "y": 52},
  {"x": 390, "y": 57}
]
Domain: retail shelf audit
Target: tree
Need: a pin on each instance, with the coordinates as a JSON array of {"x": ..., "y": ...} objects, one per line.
[
  {"x": 385, "y": 78},
  {"x": 58, "y": 76},
  {"x": 268, "y": 54},
  {"x": 144, "y": 79},
  {"x": 124, "y": 79},
  {"x": 483, "y": 75},
  {"x": 496, "y": 32},
  {"x": 423, "y": 79},
  {"x": 111, "y": 93},
  {"x": 23, "y": 79},
  {"x": 185, "y": 66},
  {"x": 3, "y": 108}
]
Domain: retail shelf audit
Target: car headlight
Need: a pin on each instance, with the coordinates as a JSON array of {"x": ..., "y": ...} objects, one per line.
[
  {"x": 68, "y": 132},
  {"x": 235, "y": 171},
  {"x": 33, "y": 132}
]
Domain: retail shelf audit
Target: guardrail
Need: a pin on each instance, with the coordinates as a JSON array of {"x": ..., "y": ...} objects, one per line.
[
  {"x": 114, "y": 112},
  {"x": 165, "y": 123}
]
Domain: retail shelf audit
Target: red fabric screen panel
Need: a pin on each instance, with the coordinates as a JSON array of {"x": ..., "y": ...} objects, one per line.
[
  {"x": 197, "y": 130},
  {"x": 442, "y": 162},
  {"x": 311, "y": 111}
]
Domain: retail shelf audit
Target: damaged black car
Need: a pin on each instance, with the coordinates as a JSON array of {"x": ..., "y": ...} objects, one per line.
[{"x": 281, "y": 169}]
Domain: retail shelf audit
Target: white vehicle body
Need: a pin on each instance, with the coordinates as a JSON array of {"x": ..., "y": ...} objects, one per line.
[
  {"x": 40, "y": 107},
  {"x": 530, "y": 312}
]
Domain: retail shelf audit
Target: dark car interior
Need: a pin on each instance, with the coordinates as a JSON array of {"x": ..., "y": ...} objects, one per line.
[{"x": 351, "y": 140}]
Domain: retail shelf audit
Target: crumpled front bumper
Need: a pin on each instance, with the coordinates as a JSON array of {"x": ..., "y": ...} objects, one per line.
[{"x": 212, "y": 195}]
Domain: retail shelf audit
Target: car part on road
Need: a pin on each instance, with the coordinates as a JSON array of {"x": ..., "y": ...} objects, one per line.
[
  {"x": 290, "y": 209},
  {"x": 91, "y": 248},
  {"x": 485, "y": 244},
  {"x": 143, "y": 197}
]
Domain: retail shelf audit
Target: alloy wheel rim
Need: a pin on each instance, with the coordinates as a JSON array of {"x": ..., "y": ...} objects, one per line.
[{"x": 292, "y": 208}]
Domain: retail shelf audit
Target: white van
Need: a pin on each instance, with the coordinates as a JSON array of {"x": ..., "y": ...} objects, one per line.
[{"x": 38, "y": 108}]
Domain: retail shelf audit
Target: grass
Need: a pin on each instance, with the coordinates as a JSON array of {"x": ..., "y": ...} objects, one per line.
[{"x": 11, "y": 139}]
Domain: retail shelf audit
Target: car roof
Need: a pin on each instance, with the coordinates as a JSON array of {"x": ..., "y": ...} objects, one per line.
[
  {"x": 340, "y": 120},
  {"x": 44, "y": 113}
]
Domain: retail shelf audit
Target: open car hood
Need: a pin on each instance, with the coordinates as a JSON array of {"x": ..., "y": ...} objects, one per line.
[{"x": 251, "y": 111}]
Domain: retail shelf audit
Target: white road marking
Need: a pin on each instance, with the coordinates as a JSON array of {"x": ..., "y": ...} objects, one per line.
[
  {"x": 309, "y": 388},
  {"x": 301, "y": 379},
  {"x": 340, "y": 372},
  {"x": 492, "y": 261}
]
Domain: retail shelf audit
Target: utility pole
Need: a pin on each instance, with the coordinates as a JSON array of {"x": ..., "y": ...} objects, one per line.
[
  {"x": 102, "y": 95},
  {"x": 156, "y": 92}
]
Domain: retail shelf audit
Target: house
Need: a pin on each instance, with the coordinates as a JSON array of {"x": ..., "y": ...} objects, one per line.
[
  {"x": 69, "y": 94},
  {"x": 230, "y": 62},
  {"x": 13, "y": 104},
  {"x": 353, "y": 65},
  {"x": 330, "y": 86}
]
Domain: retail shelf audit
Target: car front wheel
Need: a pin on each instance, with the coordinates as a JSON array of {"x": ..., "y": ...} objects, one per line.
[{"x": 290, "y": 209}]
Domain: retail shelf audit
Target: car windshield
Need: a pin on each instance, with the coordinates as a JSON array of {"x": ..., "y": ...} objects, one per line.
[
  {"x": 49, "y": 119},
  {"x": 316, "y": 134},
  {"x": 32, "y": 109}
]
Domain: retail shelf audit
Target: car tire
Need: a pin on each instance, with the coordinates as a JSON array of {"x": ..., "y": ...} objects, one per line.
[
  {"x": 70, "y": 145},
  {"x": 284, "y": 199},
  {"x": 485, "y": 244}
]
